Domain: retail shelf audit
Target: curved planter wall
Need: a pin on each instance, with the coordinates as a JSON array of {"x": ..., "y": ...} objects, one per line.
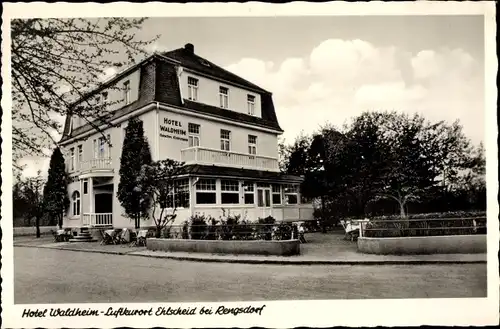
[
  {"x": 277, "y": 248},
  {"x": 449, "y": 244}
]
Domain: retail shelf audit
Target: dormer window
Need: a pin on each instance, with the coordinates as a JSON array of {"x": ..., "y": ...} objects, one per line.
[
  {"x": 192, "y": 88},
  {"x": 126, "y": 92},
  {"x": 72, "y": 159},
  {"x": 224, "y": 97},
  {"x": 104, "y": 100},
  {"x": 204, "y": 62},
  {"x": 251, "y": 104}
]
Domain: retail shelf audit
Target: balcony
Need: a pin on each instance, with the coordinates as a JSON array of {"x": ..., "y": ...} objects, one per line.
[
  {"x": 96, "y": 164},
  {"x": 207, "y": 156}
]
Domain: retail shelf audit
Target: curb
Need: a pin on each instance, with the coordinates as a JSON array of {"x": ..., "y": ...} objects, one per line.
[{"x": 270, "y": 262}]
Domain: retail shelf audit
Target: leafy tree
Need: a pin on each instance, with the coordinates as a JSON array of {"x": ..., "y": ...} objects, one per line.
[
  {"x": 384, "y": 156},
  {"x": 295, "y": 157},
  {"x": 27, "y": 193},
  {"x": 407, "y": 174},
  {"x": 55, "y": 192},
  {"x": 135, "y": 154},
  {"x": 157, "y": 180},
  {"x": 402, "y": 158},
  {"x": 54, "y": 62}
]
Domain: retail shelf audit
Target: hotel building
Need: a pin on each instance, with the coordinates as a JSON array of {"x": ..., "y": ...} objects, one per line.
[{"x": 221, "y": 126}]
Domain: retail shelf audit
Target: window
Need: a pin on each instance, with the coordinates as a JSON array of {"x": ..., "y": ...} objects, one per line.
[
  {"x": 205, "y": 191},
  {"x": 276, "y": 193},
  {"x": 104, "y": 102},
  {"x": 179, "y": 196},
  {"x": 80, "y": 154},
  {"x": 76, "y": 203},
  {"x": 72, "y": 159},
  {"x": 85, "y": 186},
  {"x": 263, "y": 197},
  {"x": 230, "y": 192},
  {"x": 252, "y": 144},
  {"x": 181, "y": 193},
  {"x": 291, "y": 193},
  {"x": 225, "y": 140},
  {"x": 194, "y": 134},
  {"x": 101, "y": 147},
  {"x": 224, "y": 97},
  {"x": 204, "y": 62},
  {"x": 248, "y": 190},
  {"x": 192, "y": 88},
  {"x": 251, "y": 104},
  {"x": 126, "y": 92}
]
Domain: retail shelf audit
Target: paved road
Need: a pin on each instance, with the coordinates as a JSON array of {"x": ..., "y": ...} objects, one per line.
[{"x": 58, "y": 276}]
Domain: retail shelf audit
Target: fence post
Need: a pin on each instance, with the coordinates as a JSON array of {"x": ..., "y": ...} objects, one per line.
[{"x": 361, "y": 229}]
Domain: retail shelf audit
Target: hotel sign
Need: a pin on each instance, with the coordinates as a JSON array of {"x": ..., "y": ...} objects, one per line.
[{"x": 173, "y": 129}]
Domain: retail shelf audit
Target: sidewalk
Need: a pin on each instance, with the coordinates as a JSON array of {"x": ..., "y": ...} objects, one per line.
[{"x": 321, "y": 249}]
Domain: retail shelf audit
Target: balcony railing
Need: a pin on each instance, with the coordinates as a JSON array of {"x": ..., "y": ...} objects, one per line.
[
  {"x": 202, "y": 155},
  {"x": 96, "y": 220},
  {"x": 104, "y": 163}
]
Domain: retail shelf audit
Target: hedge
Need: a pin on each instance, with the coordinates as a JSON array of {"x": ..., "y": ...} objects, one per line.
[{"x": 461, "y": 223}]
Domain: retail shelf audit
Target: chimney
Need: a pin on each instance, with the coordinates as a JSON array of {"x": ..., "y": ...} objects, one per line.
[{"x": 189, "y": 47}]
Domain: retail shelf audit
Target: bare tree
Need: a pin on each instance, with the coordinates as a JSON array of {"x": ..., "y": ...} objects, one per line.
[
  {"x": 158, "y": 182},
  {"x": 55, "y": 62}
]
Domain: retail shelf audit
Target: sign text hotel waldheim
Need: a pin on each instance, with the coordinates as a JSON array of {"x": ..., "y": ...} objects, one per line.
[{"x": 173, "y": 129}]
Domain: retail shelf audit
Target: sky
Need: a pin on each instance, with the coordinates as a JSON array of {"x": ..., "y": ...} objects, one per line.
[{"x": 329, "y": 69}]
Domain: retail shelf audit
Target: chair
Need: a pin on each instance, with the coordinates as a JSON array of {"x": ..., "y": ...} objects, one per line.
[
  {"x": 133, "y": 238},
  {"x": 55, "y": 235},
  {"x": 124, "y": 236},
  {"x": 67, "y": 234},
  {"x": 142, "y": 235},
  {"x": 351, "y": 230},
  {"x": 106, "y": 237}
]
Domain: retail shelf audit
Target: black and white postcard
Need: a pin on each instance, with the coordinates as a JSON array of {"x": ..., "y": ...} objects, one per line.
[{"x": 240, "y": 165}]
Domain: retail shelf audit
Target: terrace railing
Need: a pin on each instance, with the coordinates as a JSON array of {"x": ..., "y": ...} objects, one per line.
[
  {"x": 97, "y": 219},
  {"x": 203, "y": 155},
  {"x": 246, "y": 231},
  {"x": 420, "y": 227}
]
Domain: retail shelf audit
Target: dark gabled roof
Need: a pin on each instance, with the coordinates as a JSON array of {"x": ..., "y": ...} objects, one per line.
[
  {"x": 231, "y": 115},
  {"x": 159, "y": 83},
  {"x": 188, "y": 59},
  {"x": 216, "y": 171}
]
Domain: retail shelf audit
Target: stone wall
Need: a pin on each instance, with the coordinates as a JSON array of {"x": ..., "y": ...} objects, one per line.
[
  {"x": 276, "y": 248},
  {"x": 449, "y": 244}
]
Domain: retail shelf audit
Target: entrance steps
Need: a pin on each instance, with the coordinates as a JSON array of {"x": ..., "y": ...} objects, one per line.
[{"x": 83, "y": 236}]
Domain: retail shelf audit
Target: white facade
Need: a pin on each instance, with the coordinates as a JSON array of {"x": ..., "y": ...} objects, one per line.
[{"x": 190, "y": 137}]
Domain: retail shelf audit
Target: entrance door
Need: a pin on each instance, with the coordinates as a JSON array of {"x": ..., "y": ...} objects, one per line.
[
  {"x": 103, "y": 203},
  {"x": 264, "y": 201}
]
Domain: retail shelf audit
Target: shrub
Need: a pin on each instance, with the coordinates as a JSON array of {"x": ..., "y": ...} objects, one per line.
[
  {"x": 185, "y": 230},
  {"x": 167, "y": 232},
  {"x": 198, "y": 225},
  {"x": 233, "y": 227},
  {"x": 213, "y": 230},
  {"x": 283, "y": 231},
  {"x": 264, "y": 229}
]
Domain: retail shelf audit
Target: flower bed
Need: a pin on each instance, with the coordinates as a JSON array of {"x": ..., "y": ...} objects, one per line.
[{"x": 201, "y": 227}]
